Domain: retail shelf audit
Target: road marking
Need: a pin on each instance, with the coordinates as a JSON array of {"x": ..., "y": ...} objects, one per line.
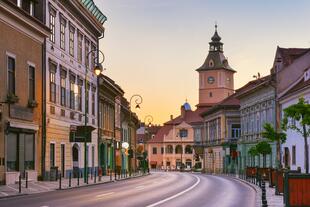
[
  {"x": 3, "y": 193},
  {"x": 105, "y": 194},
  {"x": 140, "y": 187},
  {"x": 176, "y": 195}
]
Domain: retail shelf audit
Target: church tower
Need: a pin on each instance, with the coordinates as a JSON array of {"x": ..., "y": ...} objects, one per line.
[{"x": 216, "y": 77}]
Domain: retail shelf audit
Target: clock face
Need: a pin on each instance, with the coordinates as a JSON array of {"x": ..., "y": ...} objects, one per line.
[{"x": 211, "y": 79}]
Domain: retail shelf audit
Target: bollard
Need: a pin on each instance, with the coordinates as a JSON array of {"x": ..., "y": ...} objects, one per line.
[
  {"x": 59, "y": 181},
  {"x": 70, "y": 180},
  {"x": 264, "y": 200},
  {"x": 26, "y": 179},
  {"x": 91, "y": 174},
  {"x": 20, "y": 184},
  {"x": 95, "y": 176},
  {"x": 115, "y": 174},
  {"x": 110, "y": 175},
  {"x": 119, "y": 174},
  {"x": 78, "y": 179}
]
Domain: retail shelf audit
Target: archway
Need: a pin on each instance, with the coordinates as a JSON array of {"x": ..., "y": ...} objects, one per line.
[
  {"x": 188, "y": 149},
  {"x": 75, "y": 160},
  {"x": 178, "y": 149}
]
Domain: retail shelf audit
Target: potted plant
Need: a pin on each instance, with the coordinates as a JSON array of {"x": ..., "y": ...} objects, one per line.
[
  {"x": 32, "y": 104},
  {"x": 11, "y": 98}
]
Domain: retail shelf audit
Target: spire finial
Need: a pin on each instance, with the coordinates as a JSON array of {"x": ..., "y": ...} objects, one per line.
[{"x": 215, "y": 26}]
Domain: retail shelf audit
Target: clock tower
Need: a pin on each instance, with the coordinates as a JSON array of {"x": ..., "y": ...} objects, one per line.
[{"x": 216, "y": 77}]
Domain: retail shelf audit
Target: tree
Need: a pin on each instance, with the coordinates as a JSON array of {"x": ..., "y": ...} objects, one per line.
[
  {"x": 253, "y": 152},
  {"x": 264, "y": 149},
  {"x": 300, "y": 113},
  {"x": 272, "y": 135}
]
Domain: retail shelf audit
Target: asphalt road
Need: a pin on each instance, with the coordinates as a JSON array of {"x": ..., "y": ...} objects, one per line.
[{"x": 169, "y": 189}]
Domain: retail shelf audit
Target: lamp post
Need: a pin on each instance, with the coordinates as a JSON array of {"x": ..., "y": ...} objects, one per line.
[
  {"x": 149, "y": 119},
  {"x": 97, "y": 70},
  {"x": 138, "y": 100}
]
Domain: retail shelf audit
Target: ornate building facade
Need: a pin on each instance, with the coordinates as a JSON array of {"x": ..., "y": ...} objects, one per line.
[{"x": 71, "y": 86}]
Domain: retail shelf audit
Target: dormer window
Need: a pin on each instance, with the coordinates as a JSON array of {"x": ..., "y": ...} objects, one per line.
[{"x": 211, "y": 63}]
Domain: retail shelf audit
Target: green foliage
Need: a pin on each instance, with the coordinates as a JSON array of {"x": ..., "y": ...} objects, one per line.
[
  {"x": 272, "y": 135},
  {"x": 253, "y": 151},
  {"x": 300, "y": 113},
  {"x": 263, "y": 148}
]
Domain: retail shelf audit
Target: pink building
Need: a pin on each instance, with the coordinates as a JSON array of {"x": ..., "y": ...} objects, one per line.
[{"x": 173, "y": 144}]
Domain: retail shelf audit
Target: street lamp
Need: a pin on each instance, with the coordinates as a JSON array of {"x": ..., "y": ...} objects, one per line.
[
  {"x": 97, "y": 70},
  {"x": 148, "y": 119},
  {"x": 138, "y": 100}
]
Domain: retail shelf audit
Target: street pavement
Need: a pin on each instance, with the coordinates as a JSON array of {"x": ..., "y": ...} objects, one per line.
[{"x": 169, "y": 189}]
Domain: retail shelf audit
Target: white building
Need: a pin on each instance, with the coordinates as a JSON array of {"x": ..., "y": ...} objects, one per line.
[
  {"x": 76, "y": 27},
  {"x": 293, "y": 149}
]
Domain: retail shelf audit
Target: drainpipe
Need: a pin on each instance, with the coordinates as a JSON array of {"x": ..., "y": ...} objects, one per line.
[{"x": 43, "y": 144}]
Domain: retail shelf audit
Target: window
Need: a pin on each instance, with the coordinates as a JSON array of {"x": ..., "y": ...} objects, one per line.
[
  {"x": 31, "y": 86},
  {"x": 154, "y": 150},
  {"x": 93, "y": 56},
  {"x": 87, "y": 45},
  {"x": 169, "y": 149},
  {"x": 294, "y": 155},
  {"x": 79, "y": 97},
  {"x": 62, "y": 33},
  {"x": 162, "y": 150},
  {"x": 210, "y": 94},
  {"x": 235, "y": 130},
  {"x": 12, "y": 152},
  {"x": 80, "y": 39},
  {"x": 52, "y": 25},
  {"x": 93, "y": 103},
  {"x": 178, "y": 149},
  {"x": 183, "y": 133},
  {"x": 63, "y": 91},
  {"x": 11, "y": 75},
  {"x": 188, "y": 149},
  {"x": 29, "y": 152},
  {"x": 72, "y": 104},
  {"x": 52, "y": 155},
  {"x": 71, "y": 41},
  {"x": 52, "y": 87}
]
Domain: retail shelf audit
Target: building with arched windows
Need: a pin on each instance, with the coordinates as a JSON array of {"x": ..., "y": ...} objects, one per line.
[{"x": 173, "y": 143}]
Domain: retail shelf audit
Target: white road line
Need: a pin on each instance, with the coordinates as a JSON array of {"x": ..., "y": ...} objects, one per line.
[
  {"x": 140, "y": 187},
  {"x": 176, "y": 195},
  {"x": 3, "y": 193},
  {"x": 105, "y": 194}
]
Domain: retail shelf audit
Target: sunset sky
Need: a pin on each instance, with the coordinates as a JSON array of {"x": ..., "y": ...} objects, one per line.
[{"x": 152, "y": 47}]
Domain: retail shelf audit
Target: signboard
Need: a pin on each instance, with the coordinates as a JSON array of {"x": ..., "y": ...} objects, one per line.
[
  {"x": 20, "y": 112},
  {"x": 79, "y": 133}
]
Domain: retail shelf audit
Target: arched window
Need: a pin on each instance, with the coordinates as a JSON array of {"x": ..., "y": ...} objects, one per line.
[
  {"x": 188, "y": 149},
  {"x": 178, "y": 149},
  {"x": 169, "y": 149}
]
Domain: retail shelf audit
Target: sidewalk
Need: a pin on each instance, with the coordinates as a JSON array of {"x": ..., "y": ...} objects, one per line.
[
  {"x": 46, "y": 186},
  {"x": 272, "y": 199}
]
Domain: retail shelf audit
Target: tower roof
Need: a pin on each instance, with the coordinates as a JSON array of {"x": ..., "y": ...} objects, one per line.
[
  {"x": 216, "y": 59},
  {"x": 216, "y": 37}
]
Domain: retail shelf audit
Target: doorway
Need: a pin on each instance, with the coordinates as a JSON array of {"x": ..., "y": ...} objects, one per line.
[{"x": 75, "y": 160}]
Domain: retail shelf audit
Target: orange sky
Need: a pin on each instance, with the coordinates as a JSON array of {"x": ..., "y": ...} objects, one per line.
[{"x": 152, "y": 48}]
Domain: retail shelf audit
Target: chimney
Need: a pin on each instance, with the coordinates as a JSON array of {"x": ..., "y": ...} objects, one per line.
[
  {"x": 182, "y": 111},
  {"x": 171, "y": 117}
]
